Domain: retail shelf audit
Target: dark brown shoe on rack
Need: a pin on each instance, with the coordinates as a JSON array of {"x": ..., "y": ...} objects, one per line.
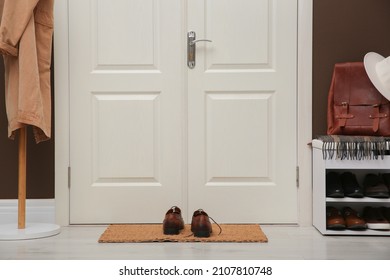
[
  {"x": 200, "y": 225},
  {"x": 173, "y": 222},
  {"x": 375, "y": 187}
]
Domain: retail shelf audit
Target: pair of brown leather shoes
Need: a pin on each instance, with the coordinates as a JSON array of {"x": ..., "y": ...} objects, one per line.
[
  {"x": 174, "y": 223},
  {"x": 349, "y": 219}
]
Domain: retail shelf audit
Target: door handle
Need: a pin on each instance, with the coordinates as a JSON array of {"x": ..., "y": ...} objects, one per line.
[{"x": 191, "y": 48}]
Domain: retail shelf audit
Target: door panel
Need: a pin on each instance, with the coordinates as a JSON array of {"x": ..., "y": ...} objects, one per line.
[
  {"x": 125, "y": 126},
  {"x": 235, "y": 123},
  {"x": 147, "y": 132},
  {"x": 232, "y": 25},
  {"x": 126, "y": 100},
  {"x": 242, "y": 110},
  {"x": 126, "y": 33}
]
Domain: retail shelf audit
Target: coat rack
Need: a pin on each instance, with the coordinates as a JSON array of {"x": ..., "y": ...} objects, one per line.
[{"x": 21, "y": 230}]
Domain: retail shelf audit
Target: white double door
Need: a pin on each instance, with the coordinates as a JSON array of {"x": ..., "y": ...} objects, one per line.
[{"x": 147, "y": 132}]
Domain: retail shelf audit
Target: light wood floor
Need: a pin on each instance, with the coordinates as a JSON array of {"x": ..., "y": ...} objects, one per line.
[{"x": 285, "y": 242}]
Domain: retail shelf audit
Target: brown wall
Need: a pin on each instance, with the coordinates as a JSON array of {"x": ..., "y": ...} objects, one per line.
[
  {"x": 344, "y": 31},
  {"x": 40, "y": 160}
]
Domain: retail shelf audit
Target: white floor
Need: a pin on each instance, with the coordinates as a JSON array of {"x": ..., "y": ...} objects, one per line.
[{"x": 285, "y": 242}]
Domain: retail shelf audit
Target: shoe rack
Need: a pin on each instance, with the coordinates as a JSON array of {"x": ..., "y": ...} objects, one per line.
[{"x": 359, "y": 168}]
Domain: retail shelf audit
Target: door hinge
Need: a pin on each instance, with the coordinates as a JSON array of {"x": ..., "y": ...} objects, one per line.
[
  {"x": 69, "y": 177},
  {"x": 297, "y": 176}
]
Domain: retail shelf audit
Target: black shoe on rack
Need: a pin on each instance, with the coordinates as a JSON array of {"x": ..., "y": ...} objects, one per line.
[
  {"x": 350, "y": 185},
  {"x": 386, "y": 179},
  {"x": 386, "y": 213},
  {"x": 375, "y": 219},
  {"x": 333, "y": 185}
]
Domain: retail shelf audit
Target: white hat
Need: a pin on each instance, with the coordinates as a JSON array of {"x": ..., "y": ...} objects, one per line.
[{"x": 378, "y": 70}]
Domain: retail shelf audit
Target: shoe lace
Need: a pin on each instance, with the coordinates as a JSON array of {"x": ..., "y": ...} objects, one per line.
[{"x": 220, "y": 229}]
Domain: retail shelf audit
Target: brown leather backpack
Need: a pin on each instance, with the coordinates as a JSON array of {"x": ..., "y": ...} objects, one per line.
[{"x": 355, "y": 106}]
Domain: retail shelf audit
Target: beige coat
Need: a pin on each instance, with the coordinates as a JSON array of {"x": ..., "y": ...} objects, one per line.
[{"x": 26, "y": 31}]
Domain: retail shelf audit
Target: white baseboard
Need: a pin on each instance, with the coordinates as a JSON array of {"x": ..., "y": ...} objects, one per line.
[{"x": 37, "y": 211}]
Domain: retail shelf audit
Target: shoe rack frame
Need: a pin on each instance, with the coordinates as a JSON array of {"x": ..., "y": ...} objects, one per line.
[{"x": 359, "y": 168}]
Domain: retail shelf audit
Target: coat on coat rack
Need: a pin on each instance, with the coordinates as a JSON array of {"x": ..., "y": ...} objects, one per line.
[{"x": 26, "y": 32}]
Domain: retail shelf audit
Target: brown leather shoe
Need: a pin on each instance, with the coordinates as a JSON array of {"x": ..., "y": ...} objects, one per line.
[
  {"x": 353, "y": 220},
  {"x": 200, "y": 225},
  {"x": 173, "y": 221},
  {"x": 334, "y": 219}
]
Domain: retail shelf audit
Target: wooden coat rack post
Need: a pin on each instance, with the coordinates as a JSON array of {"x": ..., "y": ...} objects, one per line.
[
  {"x": 22, "y": 175},
  {"x": 23, "y": 230}
]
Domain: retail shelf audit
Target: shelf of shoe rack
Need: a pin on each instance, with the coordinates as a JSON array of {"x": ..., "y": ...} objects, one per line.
[{"x": 320, "y": 201}]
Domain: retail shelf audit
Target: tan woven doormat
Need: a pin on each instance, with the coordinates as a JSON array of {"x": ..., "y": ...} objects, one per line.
[{"x": 137, "y": 233}]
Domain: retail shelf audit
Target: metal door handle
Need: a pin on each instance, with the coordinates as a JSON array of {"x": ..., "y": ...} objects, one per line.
[
  {"x": 191, "y": 48},
  {"x": 199, "y": 40}
]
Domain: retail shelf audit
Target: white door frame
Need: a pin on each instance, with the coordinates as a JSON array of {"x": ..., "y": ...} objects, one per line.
[{"x": 304, "y": 111}]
